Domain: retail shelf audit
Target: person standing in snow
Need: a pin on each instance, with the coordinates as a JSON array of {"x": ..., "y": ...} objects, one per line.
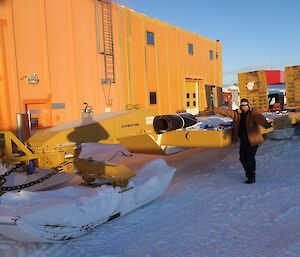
[{"x": 246, "y": 126}]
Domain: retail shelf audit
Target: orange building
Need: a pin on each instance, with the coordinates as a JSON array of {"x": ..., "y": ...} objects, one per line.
[{"x": 56, "y": 55}]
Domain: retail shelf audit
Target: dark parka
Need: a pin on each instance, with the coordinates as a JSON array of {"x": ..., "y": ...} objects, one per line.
[{"x": 253, "y": 120}]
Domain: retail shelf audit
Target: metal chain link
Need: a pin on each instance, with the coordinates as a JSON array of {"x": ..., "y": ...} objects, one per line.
[
  {"x": 7, "y": 173},
  {"x": 32, "y": 183}
]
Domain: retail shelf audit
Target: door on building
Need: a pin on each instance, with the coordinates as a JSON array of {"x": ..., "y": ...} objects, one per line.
[
  {"x": 192, "y": 97},
  {"x": 214, "y": 95},
  {"x": 210, "y": 91},
  {"x": 39, "y": 115}
]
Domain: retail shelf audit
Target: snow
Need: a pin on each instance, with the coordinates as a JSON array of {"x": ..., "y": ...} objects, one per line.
[
  {"x": 281, "y": 133},
  {"x": 72, "y": 203},
  {"x": 209, "y": 122},
  {"x": 206, "y": 211},
  {"x": 72, "y": 211}
]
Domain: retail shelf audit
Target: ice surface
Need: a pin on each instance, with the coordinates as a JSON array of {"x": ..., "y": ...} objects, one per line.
[{"x": 207, "y": 211}]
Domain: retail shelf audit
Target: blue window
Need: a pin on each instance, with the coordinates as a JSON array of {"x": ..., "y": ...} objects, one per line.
[
  {"x": 190, "y": 49},
  {"x": 150, "y": 38},
  {"x": 211, "y": 54},
  {"x": 152, "y": 97}
]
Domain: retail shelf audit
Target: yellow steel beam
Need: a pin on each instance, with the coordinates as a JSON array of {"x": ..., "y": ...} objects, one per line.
[
  {"x": 197, "y": 138},
  {"x": 7, "y": 139},
  {"x": 144, "y": 143}
]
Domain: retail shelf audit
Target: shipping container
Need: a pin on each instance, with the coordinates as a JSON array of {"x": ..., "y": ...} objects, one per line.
[
  {"x": 253, "y": 86},
  {"x": 292, "y": 85},
  {"x": 263, "y": 88},
  {"x": 59, "y": 56},
  {"x": 274, "y": 77}
]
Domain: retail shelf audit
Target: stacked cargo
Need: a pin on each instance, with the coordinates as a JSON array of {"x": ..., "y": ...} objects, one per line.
[
  {"x": 253, "y": 86},
  {"x": 292, "y": 85}
]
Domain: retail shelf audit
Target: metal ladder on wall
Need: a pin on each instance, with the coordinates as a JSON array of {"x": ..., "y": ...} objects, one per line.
[{"x": 108, "y": 43}]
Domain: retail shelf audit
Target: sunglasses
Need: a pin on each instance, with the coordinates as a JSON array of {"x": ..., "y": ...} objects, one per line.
[{"x": 244, "y": 105}]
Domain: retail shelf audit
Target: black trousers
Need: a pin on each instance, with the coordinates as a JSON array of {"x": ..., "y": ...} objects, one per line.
[{"x": 247, "y": 158}]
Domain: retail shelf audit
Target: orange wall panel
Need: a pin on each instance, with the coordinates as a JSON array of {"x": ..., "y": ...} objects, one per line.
[
  {"x": 5, "y": 113},
  {"x": 123, "y": 62},
  {"x": 61, "y": 60},
  {"x": 173, "y": 70},
  {"x": 163, "y": 71},
  {"x": 85, "y": 54},
  {"x": 137, "y": 60},
  {"x": 151, "y": 56},
  {"x": 31, "y": 51}
]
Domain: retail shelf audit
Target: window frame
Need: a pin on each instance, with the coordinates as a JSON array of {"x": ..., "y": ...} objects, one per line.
[
  {"x": 190, "y": 49},
  {"x": 149, "y": 42},
  {"x": 152, "y": 96},
  {"x": 211, "y": 55}
]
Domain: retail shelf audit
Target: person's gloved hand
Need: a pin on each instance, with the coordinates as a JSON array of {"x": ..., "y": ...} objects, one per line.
[{"x": 269, "y": 125}]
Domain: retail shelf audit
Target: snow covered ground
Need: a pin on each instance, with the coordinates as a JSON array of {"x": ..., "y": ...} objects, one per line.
[{"x": 206, "y": 211}]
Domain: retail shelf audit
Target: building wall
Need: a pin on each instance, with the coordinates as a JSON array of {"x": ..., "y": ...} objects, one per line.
[{"x": 56, "y": 40}]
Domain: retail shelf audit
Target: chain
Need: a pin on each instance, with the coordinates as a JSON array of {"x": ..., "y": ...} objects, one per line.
[
  {"x": 7, "y": 173},
  {"x": 55, "y": 170},
  {"x": 117, "y": 153}
]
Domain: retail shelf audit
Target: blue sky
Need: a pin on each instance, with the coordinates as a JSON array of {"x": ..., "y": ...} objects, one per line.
[{"x": 256, "y": 34}]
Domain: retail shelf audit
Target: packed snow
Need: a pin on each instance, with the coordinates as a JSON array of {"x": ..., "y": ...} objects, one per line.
[
  {"x": 72, "y": 211},
  {"x": 206, "y": 211}
]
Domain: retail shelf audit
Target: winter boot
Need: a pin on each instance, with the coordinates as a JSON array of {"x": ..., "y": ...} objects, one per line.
[{"x": 250, "y": 179}]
